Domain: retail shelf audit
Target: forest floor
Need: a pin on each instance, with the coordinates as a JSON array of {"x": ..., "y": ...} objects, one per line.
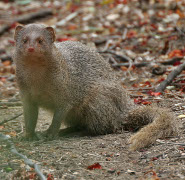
[
  {"x": 144, "y": 42},
  {"x": 69, "y": 157}
]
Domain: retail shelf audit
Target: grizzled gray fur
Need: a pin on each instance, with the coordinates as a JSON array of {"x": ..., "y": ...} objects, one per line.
[{"x": 80, "y": 88}]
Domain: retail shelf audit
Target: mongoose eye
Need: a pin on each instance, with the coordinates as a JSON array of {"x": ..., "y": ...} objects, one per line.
[
  {"x": 25, "y": 41},
  {"x": 40, "y": 41}
]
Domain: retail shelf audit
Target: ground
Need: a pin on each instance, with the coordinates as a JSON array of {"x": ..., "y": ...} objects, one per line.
[{"x": 70, "y": 157}]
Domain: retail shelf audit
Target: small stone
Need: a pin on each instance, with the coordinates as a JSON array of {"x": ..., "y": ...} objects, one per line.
[
  {"x": 111, "y": 171},
  {"x": 112, "y": 17},
  {"x": 131, "y": 172}
]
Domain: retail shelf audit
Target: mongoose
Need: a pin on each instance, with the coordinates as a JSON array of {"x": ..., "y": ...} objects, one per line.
[{"x": 80, "y": 88}]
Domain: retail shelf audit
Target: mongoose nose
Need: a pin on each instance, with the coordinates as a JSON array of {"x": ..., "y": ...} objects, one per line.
[{"x": 30, "y": 49}]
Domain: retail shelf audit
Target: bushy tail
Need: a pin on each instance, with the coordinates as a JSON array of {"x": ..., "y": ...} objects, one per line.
[{"x": 162, "y": 123}]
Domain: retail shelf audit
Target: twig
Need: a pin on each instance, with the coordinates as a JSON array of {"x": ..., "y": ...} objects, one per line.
[
  {"x": 105, "y": 39},
  {"x": 26, "y": 160},
  {"x": 124, "y": 34},
  {"x": 22, "y": 129},
  {"x": 7, "y": 120},
  {"x": 142, "y": 64},
  {"x": 100, "y": 41},
  {"x": 180, "y": 144},
  {"x": 68, "y": 18},
  {"x": 113, "y": 62},
  {"x": 170, "y": 78},
  {"x": 109, "y": 161},
  {"x": 134, "y": 64},
  {"x": 171, "y": 61},
  {"x": 107, "y": 45},
  {"x": 122, "y": 57},
  {"x": 10, "y": 104}
]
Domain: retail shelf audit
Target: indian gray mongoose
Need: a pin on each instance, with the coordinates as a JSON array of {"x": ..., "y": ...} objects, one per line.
[{"x": 80, "y": 88}]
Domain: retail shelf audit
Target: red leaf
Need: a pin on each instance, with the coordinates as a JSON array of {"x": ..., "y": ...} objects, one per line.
[
  {"x": 94, "y": 166},
  {"x": 141, "y": 101},
  {"x": 154, "y": 93},
  {"x": 160, "y": 80},
  {"x": 154, "y": 26},
  {"x": 7, "y": 63},
  {"x": 146, "y": 102},
  {"x": 182, "y": 89},
  {"x": 154, "y": 158},
  {"x": 154, "y": 175},
  {"x": 2, "y": 79},
  {"x": 12, "y": 42},
  {"x": 180, "y": 13},
  {"x": 142, "y": 23},
  {"x": 13, "y": 25},
  {"x": 177, "y": 63},
  {"x": 138, "y": 101},
  {"x": 181, "y": 148},
  {"x": 148, "y": 83},
  {"x": 182, "y": 81},
  {"x": 72, "y": 27},
  {"x": 121, "y": 1},
  {"x": 50, "y": 177},
  {"x": 175, "y": 53},
  {"x": 131, "y": 34},
  {"x": 32, "y": 176},
  {"x": 135, "y": 85}
]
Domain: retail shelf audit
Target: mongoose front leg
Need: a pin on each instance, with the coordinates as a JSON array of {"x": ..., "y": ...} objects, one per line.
[
  {"x": 30, "y": 117},
  {"x": 59, "y": 115}
]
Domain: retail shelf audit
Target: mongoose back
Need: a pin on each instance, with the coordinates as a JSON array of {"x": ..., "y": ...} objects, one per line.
[{"x": 80, "y": 88}]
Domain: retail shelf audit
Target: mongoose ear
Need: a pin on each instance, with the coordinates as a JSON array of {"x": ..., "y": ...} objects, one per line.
[
  {"x": 17, "y": 30},
  {"x": 52, "y": 32}
]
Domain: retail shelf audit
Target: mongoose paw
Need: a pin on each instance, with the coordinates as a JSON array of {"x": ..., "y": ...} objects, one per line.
[
  {"x": 50, "y": 135},
  {"x": 29, "y": 137}
]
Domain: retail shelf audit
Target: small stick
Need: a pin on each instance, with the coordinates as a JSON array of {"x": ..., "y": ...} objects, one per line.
[
  {"x": 68, "y": 18},
  {"x": 170, "y": 78},
  {"x": 122, "y": 57},
  {"x": 134, "y": 64},
  {"x": 142, "y": 64},
  {"x": 180, "y": 144},
  {"x": 9, "y": 104},
  {"x": 26, "y": 160},
  {"x": 7, "y": 120},
  {"x": 171, "y": 61}
]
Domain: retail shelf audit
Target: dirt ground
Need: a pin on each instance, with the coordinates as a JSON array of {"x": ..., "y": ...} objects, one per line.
[{"x": 70, "y": 157}]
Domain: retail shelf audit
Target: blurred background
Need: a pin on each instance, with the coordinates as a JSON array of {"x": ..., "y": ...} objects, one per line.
[{"x": 142, "y": 39}]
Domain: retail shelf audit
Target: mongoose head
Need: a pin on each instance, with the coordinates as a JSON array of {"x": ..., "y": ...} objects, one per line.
[{"x": 34, "y": 40}]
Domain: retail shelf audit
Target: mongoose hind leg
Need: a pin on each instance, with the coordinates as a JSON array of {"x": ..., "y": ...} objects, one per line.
[
  {"x": 104, "y": 112},
  {"x": 72, "y": 131}
]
